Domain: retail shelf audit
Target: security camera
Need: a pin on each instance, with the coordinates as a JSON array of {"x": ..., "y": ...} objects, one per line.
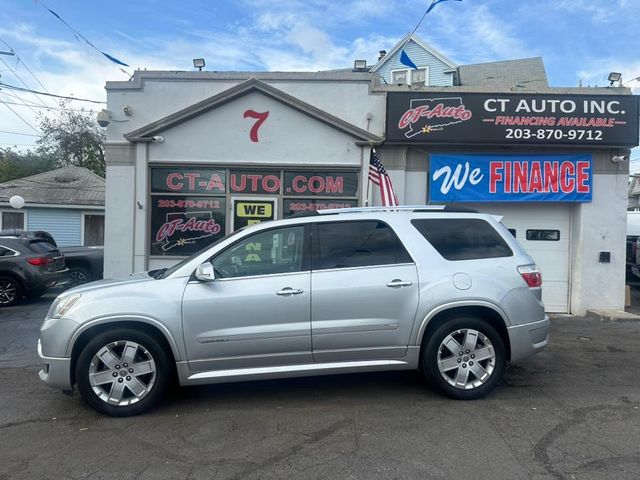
[
  {"x": 620, "y": 158},
  {"x": 103, "y": 118},
  {"x": 157, "y": 139},
  {"x": 128, "y": 110}
]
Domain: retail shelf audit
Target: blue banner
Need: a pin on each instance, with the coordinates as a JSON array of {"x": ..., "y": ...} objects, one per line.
[{"x": 510, "y": 178}]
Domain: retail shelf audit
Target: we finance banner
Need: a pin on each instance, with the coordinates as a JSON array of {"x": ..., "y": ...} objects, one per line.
[{"x": 510, "y": 178}]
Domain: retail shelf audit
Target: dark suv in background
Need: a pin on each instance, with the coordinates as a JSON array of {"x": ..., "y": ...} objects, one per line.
[
  {"x": 28, "y": 266},
  {"x": 84, "y": 264}
]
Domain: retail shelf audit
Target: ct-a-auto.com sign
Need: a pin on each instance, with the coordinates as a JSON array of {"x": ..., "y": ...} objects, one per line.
[
  {"x": 510, "y": 178},
  {"x": 503, "y": 119}
]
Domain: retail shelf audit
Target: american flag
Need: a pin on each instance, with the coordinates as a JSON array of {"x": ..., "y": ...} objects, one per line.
[{"x": 379, "y": 176}]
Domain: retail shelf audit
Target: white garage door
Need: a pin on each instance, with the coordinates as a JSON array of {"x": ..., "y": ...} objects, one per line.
[{"x": 543, "y": 229}]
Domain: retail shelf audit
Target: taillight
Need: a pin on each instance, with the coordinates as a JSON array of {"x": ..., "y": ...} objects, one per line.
[
  {"x": 39, "y": 261},
  {"x": 531, "y": 275}
]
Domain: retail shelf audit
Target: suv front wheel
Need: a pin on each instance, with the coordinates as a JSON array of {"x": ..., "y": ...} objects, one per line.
[
  {"x": 122, "y": 372},
  {"x": 464, "y": 358}
]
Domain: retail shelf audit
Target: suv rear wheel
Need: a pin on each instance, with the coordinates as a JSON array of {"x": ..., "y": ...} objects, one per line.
[
  {"x": 10, "y": 291},
  {"x": 122, "y": 372},
  {"x": 464, "y": 358}
]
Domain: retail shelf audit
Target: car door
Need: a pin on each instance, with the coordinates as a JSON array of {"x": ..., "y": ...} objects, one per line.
[
  {"x": 256, "y": 313},
  {"x": 365, "y": 292}
]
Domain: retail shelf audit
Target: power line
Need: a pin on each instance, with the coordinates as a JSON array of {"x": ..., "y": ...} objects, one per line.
[
  {"x": 20, "y": 89},
  {"x": 19, "y": 133},
  {"x": 23, "y": 102},
  {"x": 15, "y": 74},
  {"x": 49, "y": 108},
  {"x": 19, "y": 116},
  {"x": 25, "y": 65}
]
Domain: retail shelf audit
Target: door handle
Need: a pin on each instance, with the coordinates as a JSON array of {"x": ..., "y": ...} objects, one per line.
[
  {"x": 289, "y": 291},
  {"x": 398, "y": 283}
]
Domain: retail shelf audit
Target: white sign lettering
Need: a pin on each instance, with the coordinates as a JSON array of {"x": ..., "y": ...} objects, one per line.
[{"x": 457, "y": 178}]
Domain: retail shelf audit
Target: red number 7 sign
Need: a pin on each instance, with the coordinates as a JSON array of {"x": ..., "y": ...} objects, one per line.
[{"x": 260, "y": 118}]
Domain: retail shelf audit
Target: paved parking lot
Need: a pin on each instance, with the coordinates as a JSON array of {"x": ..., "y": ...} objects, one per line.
[{"x": 571, "y": 412}]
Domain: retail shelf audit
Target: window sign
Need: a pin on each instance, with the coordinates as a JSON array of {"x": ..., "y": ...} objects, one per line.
[
  {"x": 293, "y": 206},
  {"x": 184, "y": 225},
  {"x": 243, "y": 181},
  {"x": 188, "y": 180},
  {"x": 510, "y": 178},
  {"x": 305, "y": 183},
  {"x": 249, "y": 212}
]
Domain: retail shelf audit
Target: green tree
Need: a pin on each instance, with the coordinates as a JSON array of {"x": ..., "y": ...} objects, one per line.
[
  {"x": 72, "y": 139},
  {"x": 22, "y": 164}
]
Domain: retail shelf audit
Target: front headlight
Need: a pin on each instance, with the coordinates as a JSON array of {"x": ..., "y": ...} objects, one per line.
[{"x": 62, "y": 305}]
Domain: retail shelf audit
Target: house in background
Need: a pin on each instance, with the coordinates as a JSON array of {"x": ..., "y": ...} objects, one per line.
[
  {"x": 67, "y": 202},
  {"x": 436, "y": 70}
]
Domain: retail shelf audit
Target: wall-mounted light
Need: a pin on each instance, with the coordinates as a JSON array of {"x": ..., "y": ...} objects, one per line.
[
  {"x": 614, "y": 77},
  {"x": 199, "y": 63}
]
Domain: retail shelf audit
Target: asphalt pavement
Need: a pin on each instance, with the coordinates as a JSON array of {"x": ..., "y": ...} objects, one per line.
[{"x": 571, "y": 412}]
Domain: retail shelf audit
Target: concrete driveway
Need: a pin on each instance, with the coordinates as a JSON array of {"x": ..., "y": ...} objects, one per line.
[{"x": 571, "y": 412}]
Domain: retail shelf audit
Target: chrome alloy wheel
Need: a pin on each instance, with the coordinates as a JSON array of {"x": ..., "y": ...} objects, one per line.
[
  {"x": 8, "y": 292},
  {"x": 122, "y": 373},
  {"x": 466, "y": 358}
]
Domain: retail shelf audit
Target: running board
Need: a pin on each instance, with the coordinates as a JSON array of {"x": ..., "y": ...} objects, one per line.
[{"x": 283, "y": 371}]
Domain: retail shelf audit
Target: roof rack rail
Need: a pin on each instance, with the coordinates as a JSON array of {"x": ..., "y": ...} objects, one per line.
[{"x": 401, "y": 208}]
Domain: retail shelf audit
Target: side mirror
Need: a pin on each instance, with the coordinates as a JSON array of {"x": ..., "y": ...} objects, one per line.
[{"x": 205, "y": 273}]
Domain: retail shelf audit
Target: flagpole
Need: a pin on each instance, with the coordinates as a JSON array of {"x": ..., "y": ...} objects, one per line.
[{"x": 366, "y": 201}]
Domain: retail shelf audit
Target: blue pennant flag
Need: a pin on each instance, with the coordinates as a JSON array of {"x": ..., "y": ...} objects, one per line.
[
  {"x": 405, "y": 60},
  {"x": 435, "y": 2},
  {"x": 114, "y": 60}
]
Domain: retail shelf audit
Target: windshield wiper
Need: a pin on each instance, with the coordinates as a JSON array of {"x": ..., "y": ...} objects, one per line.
[{"x": 159, "y": 273}]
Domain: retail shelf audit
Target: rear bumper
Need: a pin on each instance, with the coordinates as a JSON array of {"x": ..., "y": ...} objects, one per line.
[
  {"x": 528, "y": 339},
  {"x": 55, "y": 372}
]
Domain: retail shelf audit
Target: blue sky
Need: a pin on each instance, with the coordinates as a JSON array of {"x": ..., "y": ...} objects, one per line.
[{"x": 579, "y": 40}]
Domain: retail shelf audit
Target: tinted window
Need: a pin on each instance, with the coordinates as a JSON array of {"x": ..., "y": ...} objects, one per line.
[
  {"x": 5, "y": 252},
  {"x": 463, "y": 239},
  {"x": 358, "y": 244},
  {"x": 543, "y": 235},
  {"x": 41, "y": 247},
  {"x": 266, "y": 253}
]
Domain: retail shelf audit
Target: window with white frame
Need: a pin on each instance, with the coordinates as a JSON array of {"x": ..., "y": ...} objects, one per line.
[
  {"x": 12, "y": 220},
  {"x": 410, "y": 76}
]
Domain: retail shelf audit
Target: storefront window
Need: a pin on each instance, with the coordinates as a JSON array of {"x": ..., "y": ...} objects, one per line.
[
  {"x": 183, "y": 224},
  {"x": 192, "y": 207}
]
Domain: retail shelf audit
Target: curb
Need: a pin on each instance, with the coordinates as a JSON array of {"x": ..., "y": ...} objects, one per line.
[{"x": 612, "y": 316}]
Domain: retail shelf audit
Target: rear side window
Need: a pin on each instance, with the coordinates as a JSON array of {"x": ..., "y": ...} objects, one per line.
[
  {"x": 357, "y": 244},
  {"x": 463, "y": 238},
  {"x": 40, "y": 246},
  {"x": 6, "y": 252}
]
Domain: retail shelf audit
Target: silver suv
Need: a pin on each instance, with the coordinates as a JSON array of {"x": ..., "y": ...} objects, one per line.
[{"x": 447, "y": 291}]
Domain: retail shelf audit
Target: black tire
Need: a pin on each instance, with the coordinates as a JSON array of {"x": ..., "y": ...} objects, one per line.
[
  {"x": 149, "y": 345},
  {"x": 10, "y": 291},
  {"x": 475, "y": 387},
  {"x": 78, "y": 276}
]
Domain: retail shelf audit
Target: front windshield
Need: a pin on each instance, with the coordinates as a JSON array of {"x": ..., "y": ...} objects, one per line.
[{"x": 165, "y": 272}]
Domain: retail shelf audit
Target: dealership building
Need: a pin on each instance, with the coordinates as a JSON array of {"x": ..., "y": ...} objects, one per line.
[{"x": 192, "y": 156}]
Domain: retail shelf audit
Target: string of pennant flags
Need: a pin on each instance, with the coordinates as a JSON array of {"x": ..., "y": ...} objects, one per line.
[
  {"x": 404, "y": 57},
  {"x": 80, "y": 37}
]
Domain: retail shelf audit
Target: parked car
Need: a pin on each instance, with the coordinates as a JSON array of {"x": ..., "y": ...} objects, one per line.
[
  {"x": 85, "y": 264},
  {"x": 448, "y": 292},
  {"x": 27, "y": 268}
]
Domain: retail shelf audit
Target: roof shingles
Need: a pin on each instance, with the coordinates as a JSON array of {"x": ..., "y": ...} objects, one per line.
[{"x": 63, "y": 186}]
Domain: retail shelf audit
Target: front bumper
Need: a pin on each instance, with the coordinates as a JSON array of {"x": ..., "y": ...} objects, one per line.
[
  {"x": 55, "y": 372},
  {"x": 528, "y": 339}
]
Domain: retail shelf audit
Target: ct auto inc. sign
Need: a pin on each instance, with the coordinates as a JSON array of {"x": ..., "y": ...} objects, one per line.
[
  {"x": 510, "y": 178},
  {"x": 502, "y": 119}
]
